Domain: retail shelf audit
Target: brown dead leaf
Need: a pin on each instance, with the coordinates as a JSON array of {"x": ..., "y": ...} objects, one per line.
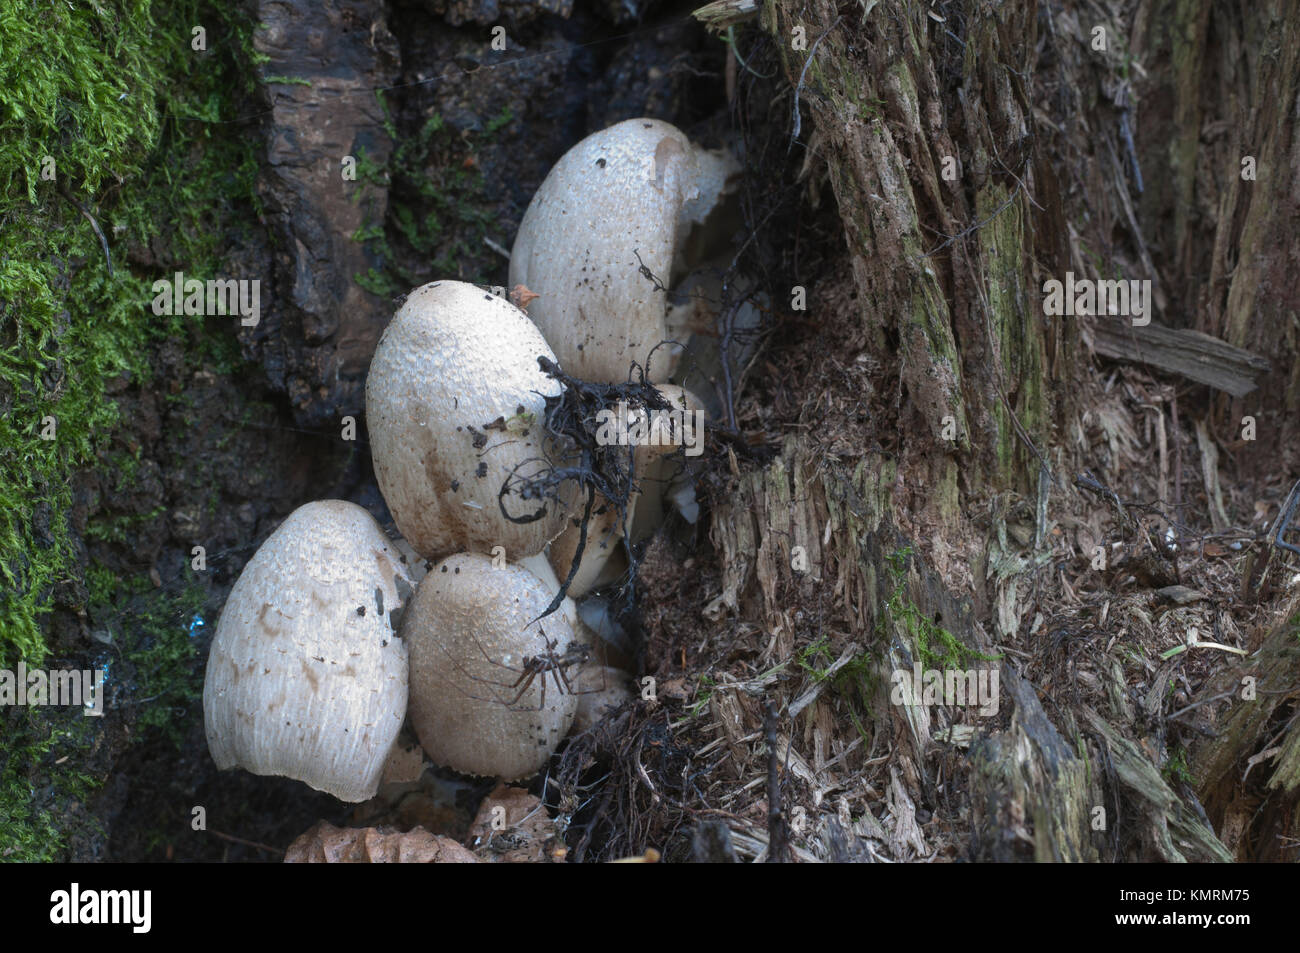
[
  {"x": 673, "y": 688},
  {"x": 512, "y": 827},
  {"x": 1180, "y": 595},
  {"x": 327, "y": 844},
  {"x": 521, "y": 297}
]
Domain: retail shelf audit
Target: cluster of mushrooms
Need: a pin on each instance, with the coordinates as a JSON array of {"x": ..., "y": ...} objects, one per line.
[{"x": 334, "y": 633}]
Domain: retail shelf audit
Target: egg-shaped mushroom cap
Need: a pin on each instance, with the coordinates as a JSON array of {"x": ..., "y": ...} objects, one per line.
[
  {"x": 473, "y": 643},
  {"x": 306, "y": 678},
  {"x": 621, "y": 200},
  {"x": 455, "y": 403}
]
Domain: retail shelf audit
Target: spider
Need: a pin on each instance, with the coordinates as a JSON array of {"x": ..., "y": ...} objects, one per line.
[
  {"x": 575, "y": 653},
  {"x": 508, "y": 681}
]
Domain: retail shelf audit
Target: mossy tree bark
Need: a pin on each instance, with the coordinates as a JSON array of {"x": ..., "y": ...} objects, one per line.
[
  {"x": 975, "y": 150},
  {"x": 912, "y": 167},
  {"x": 1223, "y": 125}
]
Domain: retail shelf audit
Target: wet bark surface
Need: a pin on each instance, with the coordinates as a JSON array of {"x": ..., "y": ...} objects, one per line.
[
  {"x": 325, "y": 65},
  {"x": 338, "y": 83}
]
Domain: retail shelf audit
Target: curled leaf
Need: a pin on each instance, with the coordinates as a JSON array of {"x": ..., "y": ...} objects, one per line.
[
  {"x": 327, "y": 844},
  {"x": 512, "y": 827}
]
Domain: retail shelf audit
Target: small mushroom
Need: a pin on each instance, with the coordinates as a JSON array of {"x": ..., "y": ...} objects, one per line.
[
  {"x": 600, "y": 238},
  {"x": 454, "y": 402},
  {"x": 490, "y": 690},
  {"x": 694, "y": 317},
  {"x": 659, "y": 473},
  {"x": 603, "y": 559},
  {"x": 601, "y": 689},
  {"x": 306, "y": 678}
]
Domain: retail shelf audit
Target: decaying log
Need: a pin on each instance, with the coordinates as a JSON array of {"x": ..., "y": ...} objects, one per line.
[
  {"x": 1191, "y": 354},
  {"x": 1249, "y": 770},
  {"x": 1031, "y": 798},
  {"x": 1034, "y": 795},
  {"x": 1175, "y": 829}
]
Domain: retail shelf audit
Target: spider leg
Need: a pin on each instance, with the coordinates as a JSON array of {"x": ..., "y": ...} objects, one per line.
[
  {"x": 527, "y": 679},
  {"x": 562, "y": 680}
]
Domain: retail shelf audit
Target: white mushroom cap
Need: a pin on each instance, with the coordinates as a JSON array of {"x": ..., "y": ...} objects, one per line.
[
  {"x": 633, "y": 189},
  {"x": 306, "y": 678},
  {"x": 455, "y": 402},
  {"x": 470, "y": 630},
  {"x": 541, "y": 568}
]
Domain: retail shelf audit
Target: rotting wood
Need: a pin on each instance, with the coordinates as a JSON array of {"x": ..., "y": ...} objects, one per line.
[
  {"x": 1031, "y": 798},
  {"x": 1176, "y": 831},
  {"x": 1191, "y": 354},
  {"x": 1045, "y": 776},
  {"x": 778, "y": 846},
  {"x": 1261, "y": 692},
  {"x": 1034, "y": 794}
]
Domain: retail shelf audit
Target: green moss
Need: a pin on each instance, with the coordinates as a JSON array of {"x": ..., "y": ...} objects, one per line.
[
  {"x": 380, "y": 283},
  {"x": 116, "y": 97},
  {"x": 158, "y": 633},
  {"x": 498, "y": 122},
  {"x": 143, "y": 133},
  {"x": 854, "y": 683},
  {"x": 436, "y": 208},
  {"x": 935, "y": 647},
  {"x": 815, "y": 658},
  {"x": 119, "y": 529},
  {"x": 153, "y": 630},
  {"x": 40, "y": 766},
  {"x": 41, "y": 775},
  {"x": 703, "y": 695},
  {"x": 1176, "y": 769},
  {"x": 871, "y": 109}
]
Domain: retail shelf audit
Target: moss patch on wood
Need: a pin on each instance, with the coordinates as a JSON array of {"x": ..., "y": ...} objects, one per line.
[
  {"x": 110, "y": 107},
  {"x": 109, "y": 113}
]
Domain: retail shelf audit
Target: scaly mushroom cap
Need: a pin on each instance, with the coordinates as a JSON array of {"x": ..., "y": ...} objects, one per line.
[
  {"x": 469, "y": 633},
  {"x": 306, "y": 678},
  {"x": 455, "y": 403},
  {"x": 633, "y": 189}
]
